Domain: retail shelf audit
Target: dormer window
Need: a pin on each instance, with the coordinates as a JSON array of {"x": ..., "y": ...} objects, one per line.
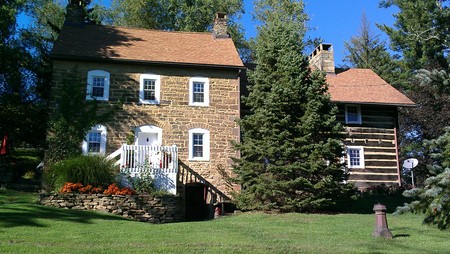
[
  {"x": 98, "y": 85},
  {"x": 353, "y": 114},
  {"x": 149, "y": 89}
]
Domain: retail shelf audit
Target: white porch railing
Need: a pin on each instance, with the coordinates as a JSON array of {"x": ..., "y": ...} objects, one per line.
[{"x": 160, "y": 161}]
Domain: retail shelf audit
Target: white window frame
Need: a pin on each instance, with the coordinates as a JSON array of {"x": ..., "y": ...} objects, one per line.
[
  {"x": 361, "y": 156},
  {"x": 157, "y": 79},
  {"x": 206, "y": 144},
  {"x": 205, "y": 81},
  {"x": 100, "y": 129},
  {"x": 358, "y": 114},
  {"x": 90, "y": 82}
]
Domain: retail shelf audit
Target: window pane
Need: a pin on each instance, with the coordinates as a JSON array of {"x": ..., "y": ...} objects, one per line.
[
  {"x": 352, "y": 114},
  {"x": 355, "y": 157},
  {"x": 197, "y": 139},
  {"x": 199, "y": 91},
  {"x": 149, "y": 89},
  {"x": 98, "y": 86},
  {"x": 97, "y": 91},
  {"x": 94, "y": 142}
]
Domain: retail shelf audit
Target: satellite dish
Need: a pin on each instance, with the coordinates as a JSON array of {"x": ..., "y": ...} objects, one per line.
[{"x": 410, "y": 163}]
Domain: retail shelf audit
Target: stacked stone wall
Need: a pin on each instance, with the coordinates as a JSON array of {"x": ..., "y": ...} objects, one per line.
[
  {"x": 173, "y": 115},
  {"x": 144, "y": 208}
]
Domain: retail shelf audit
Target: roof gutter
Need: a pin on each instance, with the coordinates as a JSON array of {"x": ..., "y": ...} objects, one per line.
[
  {"x": 142, "y": 62},
  {"x": 377, "y": 103}
]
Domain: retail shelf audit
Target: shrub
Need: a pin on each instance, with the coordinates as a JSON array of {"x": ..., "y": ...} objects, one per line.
[
  {"x": 87, "y": 170},
  {"x": 144, "y": 184}
]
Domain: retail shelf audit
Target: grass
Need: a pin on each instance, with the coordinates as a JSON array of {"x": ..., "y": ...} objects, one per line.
[
  {"x": 12, "y": 196},
  {"x": 26, "y": 227}
]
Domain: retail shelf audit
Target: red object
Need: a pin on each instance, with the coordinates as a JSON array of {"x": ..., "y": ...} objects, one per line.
[
  {"x": 4, "y": 145},
  {"x": 217, "y": 212}
]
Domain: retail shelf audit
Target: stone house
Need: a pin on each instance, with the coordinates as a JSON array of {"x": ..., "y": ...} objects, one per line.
[
  {"x": 368, "y": 108},
  {"x": 180, "y": 94}
]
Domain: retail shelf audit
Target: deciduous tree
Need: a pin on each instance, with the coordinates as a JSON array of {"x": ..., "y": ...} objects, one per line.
[{"x": 177, "y": 15}]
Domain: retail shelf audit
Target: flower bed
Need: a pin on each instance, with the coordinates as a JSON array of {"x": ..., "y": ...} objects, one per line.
[{"x": 146, "y": 208}]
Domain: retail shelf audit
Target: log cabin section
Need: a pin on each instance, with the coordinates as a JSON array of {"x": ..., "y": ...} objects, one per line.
[{"x": 368, "y": 108}]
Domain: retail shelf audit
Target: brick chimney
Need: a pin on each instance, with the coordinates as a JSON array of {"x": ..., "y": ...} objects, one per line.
[
  {"x": 322, "y": 58},
  {"x": 75, "y": 13},
  {"x": 220, "y": 28}
]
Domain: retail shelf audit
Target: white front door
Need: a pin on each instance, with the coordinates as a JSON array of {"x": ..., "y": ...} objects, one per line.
[
  {"x": 148, "y": 135},
  {"x": 147, "y": 139}
]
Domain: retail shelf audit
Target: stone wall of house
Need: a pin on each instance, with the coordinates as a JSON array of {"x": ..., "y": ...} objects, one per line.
[
  {"x": 144, "y": 208},
  {"x": 173, "y": 115}
]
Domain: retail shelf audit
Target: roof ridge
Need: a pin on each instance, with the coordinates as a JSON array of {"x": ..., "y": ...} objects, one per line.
[{"x": 146, "y": 29}]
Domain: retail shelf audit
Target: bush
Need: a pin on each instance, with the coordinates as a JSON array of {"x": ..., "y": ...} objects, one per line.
[
  {"x": 143, "y": 184},
  {"x": 87, "y": 170}
]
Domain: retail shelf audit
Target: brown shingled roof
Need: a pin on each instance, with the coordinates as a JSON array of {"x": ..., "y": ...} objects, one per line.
[
  {"x": 363, "y": 86},
  {"x": 91, "y": 41}
]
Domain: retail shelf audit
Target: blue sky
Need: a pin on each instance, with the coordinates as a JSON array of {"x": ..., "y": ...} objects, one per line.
[{"x": 336, "y": 21}]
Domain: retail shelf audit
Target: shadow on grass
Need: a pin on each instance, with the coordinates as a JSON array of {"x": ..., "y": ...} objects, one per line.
[
  {"x": 401, "y": 235},
  {"x": 363, "y": 204},
  {"x": 16, "y": 215}
]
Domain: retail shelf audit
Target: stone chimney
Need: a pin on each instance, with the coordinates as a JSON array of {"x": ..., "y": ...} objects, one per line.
[
  {"x": 322, "y": 58},
  {"x": 220, "y": 29},
  {"x": 75, "y": 13}
]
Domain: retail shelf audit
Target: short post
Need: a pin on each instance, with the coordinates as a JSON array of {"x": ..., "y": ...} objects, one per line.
[
  {"x": 217, "y": 211},
  {"x": 381, "y": 227}
]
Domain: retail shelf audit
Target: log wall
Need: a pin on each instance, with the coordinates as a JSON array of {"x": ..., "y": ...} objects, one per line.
[{"x": 377, "y": 135}]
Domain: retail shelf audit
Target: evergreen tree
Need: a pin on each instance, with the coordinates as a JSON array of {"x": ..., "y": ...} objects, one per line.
[
  {"x": 368, "y": 51},
  {"x": 434, "y": 196},
  {"x": 291, "y": 143},
  {"x": 421, "y": 32},
  {"x": 421, "y": 36}
]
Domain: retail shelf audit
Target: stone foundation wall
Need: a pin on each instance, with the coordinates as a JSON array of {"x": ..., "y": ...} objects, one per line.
[{"x": 144, "y": 208}]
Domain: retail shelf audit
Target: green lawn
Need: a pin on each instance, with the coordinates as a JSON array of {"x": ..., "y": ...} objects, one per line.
[{"x": 31, "y": 228}]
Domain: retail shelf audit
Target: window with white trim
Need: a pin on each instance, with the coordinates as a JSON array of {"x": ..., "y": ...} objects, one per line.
[
  {"x": 98, "y": 85},
  {"x": 95, "y": 140},
  {"x": 353, "y": 114},
  {"x": 149, "y": 89},
  {"x": 199, "y": 91},
  {"x": 355, "y": 157},
  {"x": 199, "y": 144}
]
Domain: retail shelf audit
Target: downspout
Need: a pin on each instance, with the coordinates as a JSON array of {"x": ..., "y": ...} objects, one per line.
[
  {"x": 238, "y": 153},
  {"x": 396, "y": 156}
]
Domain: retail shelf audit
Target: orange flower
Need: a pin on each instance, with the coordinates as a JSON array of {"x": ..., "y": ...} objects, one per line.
[
  {"x": 69, "y": 187},
  {"x": 113, "y": 189}
]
